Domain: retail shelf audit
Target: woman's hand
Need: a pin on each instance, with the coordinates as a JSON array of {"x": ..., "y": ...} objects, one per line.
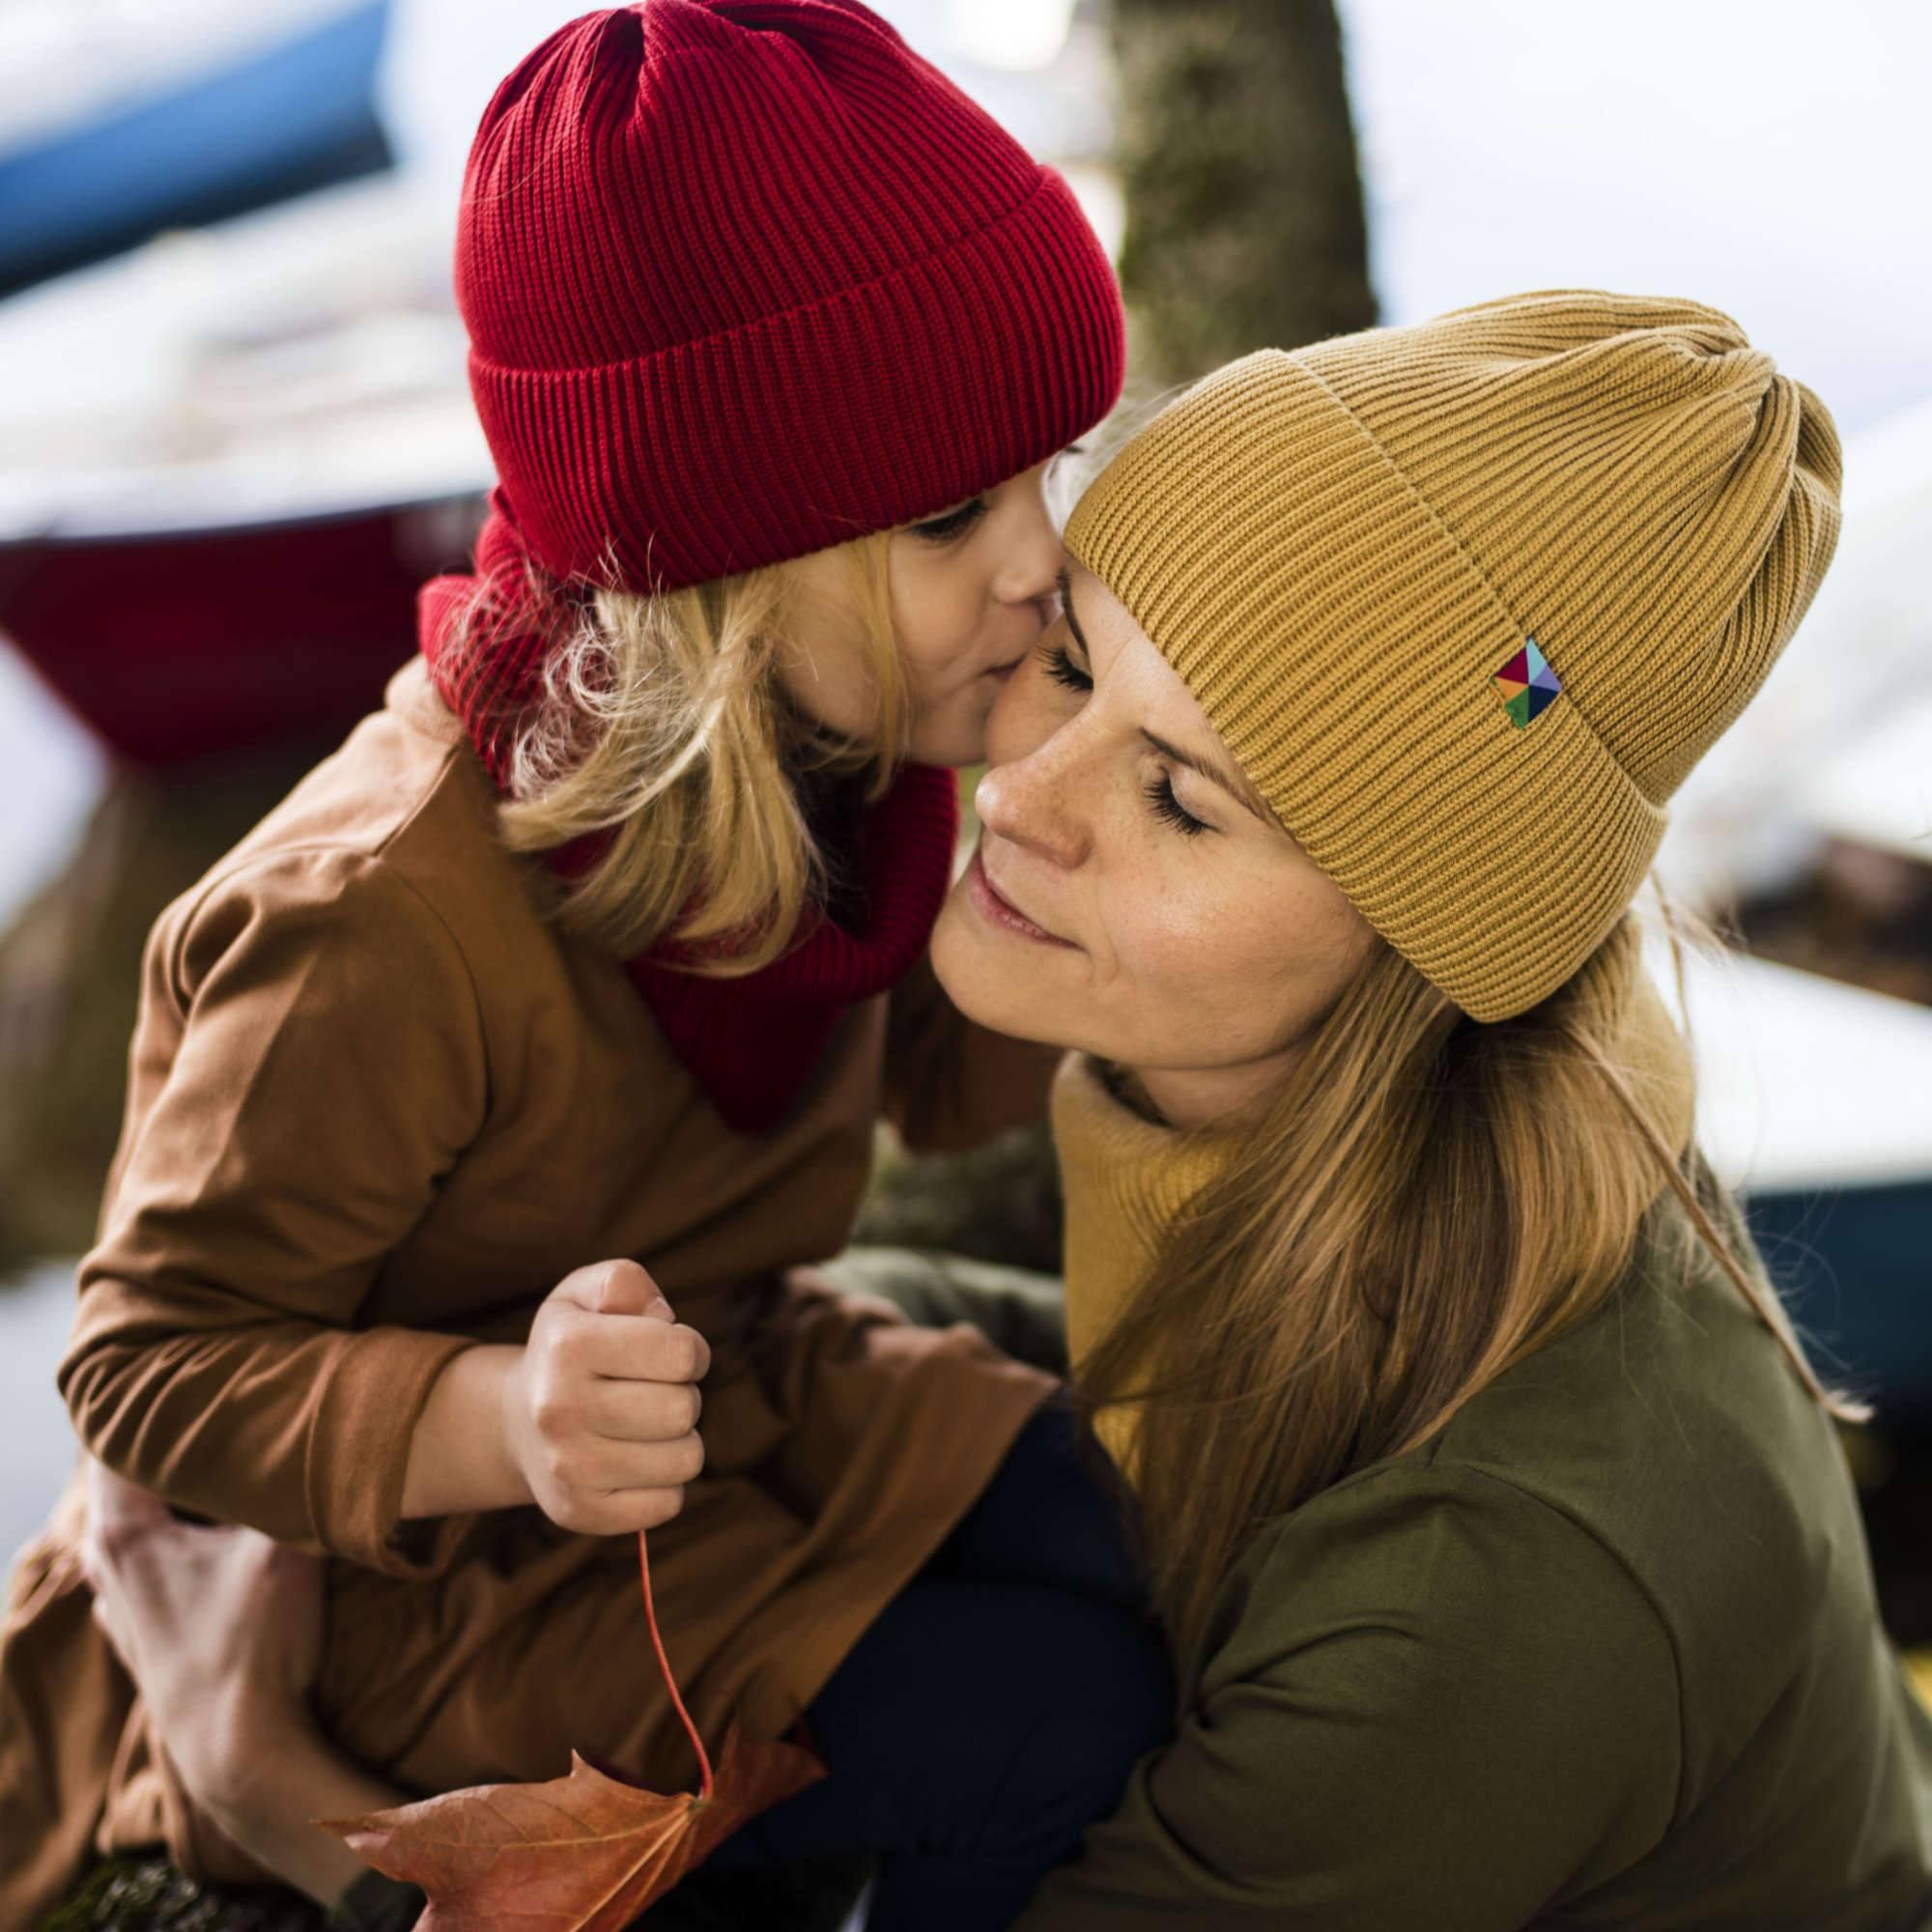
[
  {"x": 600, "y": 1409},
  {"x": 220, "y": 1627}
]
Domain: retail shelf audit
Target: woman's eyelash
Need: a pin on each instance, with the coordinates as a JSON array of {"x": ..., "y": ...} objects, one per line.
[
  {"x": 1062, "y": 668},
  {"x": 1160, "y": 795},
  {"x": 954, "y": 523}
]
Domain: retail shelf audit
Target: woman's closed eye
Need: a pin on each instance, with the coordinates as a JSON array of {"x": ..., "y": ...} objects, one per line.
[
  {"x": 1062, "y": 669},
  {"x": 1160, "y": 795},
  {"x": 1158, "y": 790}
]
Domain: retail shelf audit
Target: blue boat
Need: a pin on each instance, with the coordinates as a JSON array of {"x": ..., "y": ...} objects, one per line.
[{"x": 277, "y": 120}]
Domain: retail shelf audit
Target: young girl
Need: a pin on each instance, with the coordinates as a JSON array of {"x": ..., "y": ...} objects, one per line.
[
  {"x": 1501, "y": 1525},
  {"x": 569, "y": 992}
]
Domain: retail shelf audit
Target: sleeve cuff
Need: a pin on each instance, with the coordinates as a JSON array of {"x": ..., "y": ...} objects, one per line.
[{"x": 359, "y": 1452}]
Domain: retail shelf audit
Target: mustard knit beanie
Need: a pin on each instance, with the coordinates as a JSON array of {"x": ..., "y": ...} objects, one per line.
[{"x": 1467, "y": 600}]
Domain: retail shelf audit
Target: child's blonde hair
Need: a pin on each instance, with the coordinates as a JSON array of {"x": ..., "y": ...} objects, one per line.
[{"x": 662, "y": 722}]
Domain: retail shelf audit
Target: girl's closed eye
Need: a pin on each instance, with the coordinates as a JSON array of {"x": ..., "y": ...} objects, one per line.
[{"x": 950, "y": 525}]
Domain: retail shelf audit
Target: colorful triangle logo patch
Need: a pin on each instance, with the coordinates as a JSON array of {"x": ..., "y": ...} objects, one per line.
[{"x": 1526, "y": 686}]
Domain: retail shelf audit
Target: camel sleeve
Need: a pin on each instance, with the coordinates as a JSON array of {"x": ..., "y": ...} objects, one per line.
[{"x": 307, "y": 1066}]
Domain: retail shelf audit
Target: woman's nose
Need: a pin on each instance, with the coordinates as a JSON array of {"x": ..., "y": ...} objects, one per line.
[{"x": 1025, "y": 801}]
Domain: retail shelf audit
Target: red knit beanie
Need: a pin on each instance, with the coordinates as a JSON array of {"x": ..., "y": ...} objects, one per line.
[{"x": 747, "y": 279}]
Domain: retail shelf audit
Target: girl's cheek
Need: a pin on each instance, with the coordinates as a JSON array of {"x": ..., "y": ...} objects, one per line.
[{"x": 926, "y": 626}]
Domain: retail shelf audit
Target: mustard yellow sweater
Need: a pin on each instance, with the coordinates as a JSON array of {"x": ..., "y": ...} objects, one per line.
[{"x": 1126, "y": 1179}]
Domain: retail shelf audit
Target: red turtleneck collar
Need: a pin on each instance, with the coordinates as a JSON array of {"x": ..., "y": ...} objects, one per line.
[{"x": 751, "y": 1044}]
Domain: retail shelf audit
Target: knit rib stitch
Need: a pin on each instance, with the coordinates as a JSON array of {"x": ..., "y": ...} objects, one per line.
[
  {"x": 748, "y": 278},
  {"x": 1340, "y": 549}
]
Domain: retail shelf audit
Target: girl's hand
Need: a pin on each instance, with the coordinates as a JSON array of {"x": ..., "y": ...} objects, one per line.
[
  {"x": 221, "y": 1628},
  {"x": 600, "y": 1409}
]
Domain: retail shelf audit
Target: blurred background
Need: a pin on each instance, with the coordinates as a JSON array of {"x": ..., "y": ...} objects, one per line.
[{"x": 235, "y": 435}]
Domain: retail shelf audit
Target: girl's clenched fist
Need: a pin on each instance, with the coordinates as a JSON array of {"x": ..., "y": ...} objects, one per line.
[{"x": 601, "y": 1407}]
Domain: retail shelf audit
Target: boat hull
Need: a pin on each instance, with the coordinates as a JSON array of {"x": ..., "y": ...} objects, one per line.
[{"x": 175, "y": 647}]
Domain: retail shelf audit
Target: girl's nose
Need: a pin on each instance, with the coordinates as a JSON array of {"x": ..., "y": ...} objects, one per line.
[{"x": 1032, "y": 562}]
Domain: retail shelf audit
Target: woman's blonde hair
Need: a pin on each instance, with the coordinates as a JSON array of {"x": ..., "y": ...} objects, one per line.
[
  {"x": 1425, "y": 1202},
  {"x": 662, "y": 724}
]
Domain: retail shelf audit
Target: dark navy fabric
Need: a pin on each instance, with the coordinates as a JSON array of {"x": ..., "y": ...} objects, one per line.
[{"x": 995, "y": 1708}]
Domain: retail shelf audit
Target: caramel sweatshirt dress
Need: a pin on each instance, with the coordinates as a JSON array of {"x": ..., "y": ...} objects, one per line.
[{"x": 378, "y": 1108}]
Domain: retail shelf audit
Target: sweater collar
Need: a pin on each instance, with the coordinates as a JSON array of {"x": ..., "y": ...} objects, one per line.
[
  {"x": 750, "y": 1044},
  {"x": 1127, "y": 1181},
  {"x": 1120, "y": 1163}
]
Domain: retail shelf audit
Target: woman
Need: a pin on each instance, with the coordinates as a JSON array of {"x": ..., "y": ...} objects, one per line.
[
  {"x": 602, "y": 944},
  {"x": 1497, "y": 1519}
]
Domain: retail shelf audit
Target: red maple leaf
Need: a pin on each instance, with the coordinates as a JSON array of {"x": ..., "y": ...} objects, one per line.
[{"x": 585, "y": 1853}]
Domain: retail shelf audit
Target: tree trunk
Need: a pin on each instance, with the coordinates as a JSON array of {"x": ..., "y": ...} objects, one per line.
[{"x": 1244, "y": 219}]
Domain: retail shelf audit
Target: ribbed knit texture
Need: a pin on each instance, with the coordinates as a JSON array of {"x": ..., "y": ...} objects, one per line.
[
  {"x": 752, "y": 1043},
  {"x": 745, "y": 279},
  {"x": 748, "y": 278},
  {"x": 507, "y": 622},
  {"x": 1340, "y": 549},
  {"x": 1126, "y": 1181}
]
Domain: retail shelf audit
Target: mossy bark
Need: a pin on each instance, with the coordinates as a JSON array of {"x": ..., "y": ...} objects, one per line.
[{"x": 1237, "y": 150}]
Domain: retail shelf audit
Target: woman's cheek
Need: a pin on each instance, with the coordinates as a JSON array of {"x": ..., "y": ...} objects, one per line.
[
  {"x": 1193, "y": 950},
  {"x": 1023, "y": 716}
]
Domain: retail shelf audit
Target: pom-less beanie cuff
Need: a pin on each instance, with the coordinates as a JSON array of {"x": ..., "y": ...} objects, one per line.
[
  {"x": 889, "y": 400},
  {"x": 1466, "y": 601},
  {"x": 1393, "y": 764}
]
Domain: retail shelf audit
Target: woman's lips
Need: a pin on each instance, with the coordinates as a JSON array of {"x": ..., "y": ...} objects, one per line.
[{"x": 1001, "y": 912}]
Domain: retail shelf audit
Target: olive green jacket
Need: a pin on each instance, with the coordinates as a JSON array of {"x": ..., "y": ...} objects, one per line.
[{"x": 1605, "y": 1653}]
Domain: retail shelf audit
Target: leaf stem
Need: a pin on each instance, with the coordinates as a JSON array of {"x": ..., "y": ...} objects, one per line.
[{"x": 670, "y": 1682}]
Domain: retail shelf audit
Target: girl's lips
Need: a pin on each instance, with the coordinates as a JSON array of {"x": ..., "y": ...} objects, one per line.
[{"x": 1002, "y": 913}]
